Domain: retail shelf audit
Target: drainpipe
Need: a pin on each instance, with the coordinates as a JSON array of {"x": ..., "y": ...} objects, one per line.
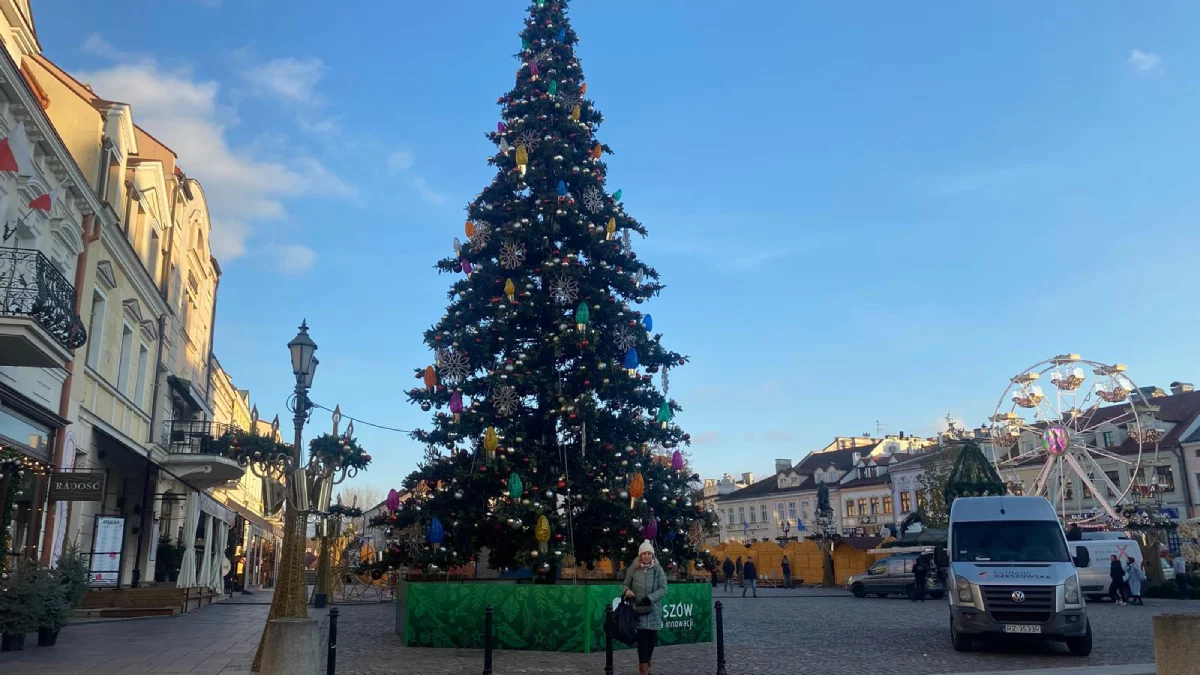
[
  {"x": 1187, "y": 480},
  {"x": 162, "y": 326},
  {"x": 91, "y": 233},
  {"x": 212, "y": 332}
]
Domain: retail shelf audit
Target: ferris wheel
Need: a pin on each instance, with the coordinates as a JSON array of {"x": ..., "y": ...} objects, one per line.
[{"x": 1063, "y": 420}]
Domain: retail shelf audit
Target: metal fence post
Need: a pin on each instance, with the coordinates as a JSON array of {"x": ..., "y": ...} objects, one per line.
[
  {"x": 608, "y": 640},
  {"x": 720, "y": 639},
  {"x": 487, "y": 641},
  {"x": 331, "y": 660}
]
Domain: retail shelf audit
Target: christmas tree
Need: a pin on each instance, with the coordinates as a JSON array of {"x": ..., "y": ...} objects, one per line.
[{"x": 552, "y": 440}]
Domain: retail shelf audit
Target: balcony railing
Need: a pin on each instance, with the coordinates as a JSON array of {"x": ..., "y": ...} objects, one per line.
[
  {"x": 31, "y": 286},
  {"x": 197, "y": 438}
]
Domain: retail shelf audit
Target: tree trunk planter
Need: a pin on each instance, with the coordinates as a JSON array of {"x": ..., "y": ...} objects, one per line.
[
  {"x": 12, "y": 643},
  {"x": 47, "y": 637}
]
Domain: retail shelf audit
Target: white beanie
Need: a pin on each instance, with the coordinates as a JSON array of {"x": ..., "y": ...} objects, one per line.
[{"x": 646, "y": 547}]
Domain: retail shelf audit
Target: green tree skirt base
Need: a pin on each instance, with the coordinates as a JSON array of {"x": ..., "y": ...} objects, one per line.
[{"x": 559, "y": 618}]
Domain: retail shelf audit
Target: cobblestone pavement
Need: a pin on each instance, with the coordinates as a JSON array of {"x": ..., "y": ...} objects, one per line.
[{"x": 781, "y": 632}]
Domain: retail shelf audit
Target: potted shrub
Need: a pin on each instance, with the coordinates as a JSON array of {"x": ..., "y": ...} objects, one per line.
[
  {"x": 19, "y": 608},
  {"x": 52, "y": 595},
  {"x": 74, "y": 575}
]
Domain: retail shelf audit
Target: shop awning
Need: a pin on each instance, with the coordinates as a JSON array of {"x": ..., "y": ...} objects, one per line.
[
  {"x": 251, "y": 517},
  {"x": 183, "y": 387}
]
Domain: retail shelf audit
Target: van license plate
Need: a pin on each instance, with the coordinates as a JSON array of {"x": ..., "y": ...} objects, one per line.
[{"x": 1011, "y": 628}]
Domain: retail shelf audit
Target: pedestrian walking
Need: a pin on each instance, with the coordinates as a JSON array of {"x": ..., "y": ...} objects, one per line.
[
  {"x": 1181, "y": 576},
  {"x": 741, "y": 577},
  {"x": 749, "y": 577},
  {"x": 1116, "y": 573},
  {"x": 921, "y": 573},
  {"x": 1134, "y": 576},
  {"x": 728, "y": 569},
  {"x": 787, "y": 572},
  {"x": 646, "y": 585}
]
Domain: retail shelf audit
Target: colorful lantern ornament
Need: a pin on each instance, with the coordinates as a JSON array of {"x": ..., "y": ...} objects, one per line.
[
  {"x": 490, "y": 442},
  {"x": 542, "y": 532},
  {"x": 533, "y": 70},
  {"x": 648, "y": 322},
  {"x": 631, "y": 361},
  {"x": 553, "y": 87},
  {"x": 456, "y": 405},
  {"x": 470, "y": 229},
  {"x": 510, "y": 289},
  {"x": 576, "y": 113},
  {"x": 393, "y": 500},
  {"x": 617, "y": 195},
  {"x": 436, "y": 533},
  {"x": 466, "y": 267},
  {"x": 597, "y": 150},
  {"x": 582, "y": 316},
  {"x": 430, "y": 378},
  {"x": 677, "y": 461},
  {"x": 562, "y": 34},
  {"x": 522, "y": 155},
  {"x": 664, "y": 414},
  {"x": 561, "y": 189},
  {"x": 504, "y": 146},
  {"x": 457, "y": 246},
  {"x": 515, "y": 488},
  {"x": 610, "y": 230},
  {"x": 500, "y": 128},
  {"x": 583, "y": 89},
  {"x": 637, "y": 488},
  {"x": 650, "y": 529}
]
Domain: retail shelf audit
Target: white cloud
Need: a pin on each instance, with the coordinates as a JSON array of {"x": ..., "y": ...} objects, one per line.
[
  {"x": 400, "y": 160},
  {"x": 291, "y": 79},
  {"x": 295, "y": 258},
  {"x": 185, "y": 113},
  {"x": 1144, "y": 61}
]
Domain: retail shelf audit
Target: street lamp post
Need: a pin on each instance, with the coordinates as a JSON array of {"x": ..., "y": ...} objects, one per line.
[{"x": 310, "y": 484}]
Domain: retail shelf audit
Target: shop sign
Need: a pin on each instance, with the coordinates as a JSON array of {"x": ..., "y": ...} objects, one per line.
[{"x": 77, "y": 486}]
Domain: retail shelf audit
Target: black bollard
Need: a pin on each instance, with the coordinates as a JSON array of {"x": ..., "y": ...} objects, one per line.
[
  {"x": 331, "y": 660},
  {"x": 608, "y": 637},
  {"x": 487, "y": 641},
  {"x": 720, "y": 640}
]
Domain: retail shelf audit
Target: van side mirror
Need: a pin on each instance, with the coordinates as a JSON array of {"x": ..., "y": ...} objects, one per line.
[{"x": 1082, "y": 557}]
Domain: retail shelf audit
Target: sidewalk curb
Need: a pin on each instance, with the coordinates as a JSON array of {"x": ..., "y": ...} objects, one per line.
[{"x": 1131, "y": 669}]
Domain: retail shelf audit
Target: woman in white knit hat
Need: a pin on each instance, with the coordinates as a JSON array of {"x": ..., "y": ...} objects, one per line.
[{"x": 646, "y": 585}]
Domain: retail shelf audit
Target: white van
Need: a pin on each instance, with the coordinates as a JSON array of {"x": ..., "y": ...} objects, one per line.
[
  {"x": 1012, "y": 575},
  {"x": 1094, "y": 578}
]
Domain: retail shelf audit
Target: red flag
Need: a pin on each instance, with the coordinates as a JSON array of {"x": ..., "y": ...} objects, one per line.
[
  {"x": 15, "y": 153},
  {"x": 45, "y": 201},
  {"x": 8, "y": 161}
]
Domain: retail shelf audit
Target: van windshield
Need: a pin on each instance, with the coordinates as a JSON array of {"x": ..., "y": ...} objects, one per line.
[{"x": 1010, "y": 541}]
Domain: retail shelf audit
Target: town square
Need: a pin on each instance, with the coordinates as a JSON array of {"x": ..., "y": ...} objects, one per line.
[{"x": 848, "y": 338}]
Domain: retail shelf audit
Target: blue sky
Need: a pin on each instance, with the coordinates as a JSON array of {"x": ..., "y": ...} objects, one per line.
[{"x": 863, "y": 213}]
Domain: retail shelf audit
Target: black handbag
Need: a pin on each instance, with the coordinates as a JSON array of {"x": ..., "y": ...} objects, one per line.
[{"x": 624, "y": 626}]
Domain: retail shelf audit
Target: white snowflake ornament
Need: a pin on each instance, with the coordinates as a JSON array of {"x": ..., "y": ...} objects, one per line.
[
  {"x": 564, "y": 290},
  {"x": 593, "y": 199},
  {"x": 512, "y": 255},
  {"x": 505, "y": 400}
]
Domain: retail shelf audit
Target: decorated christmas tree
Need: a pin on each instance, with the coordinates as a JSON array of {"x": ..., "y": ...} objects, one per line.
[{"x": 553, "y": 438}]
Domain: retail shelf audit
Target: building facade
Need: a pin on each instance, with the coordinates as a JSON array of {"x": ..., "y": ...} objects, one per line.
[{"x": 48, "y": 216}]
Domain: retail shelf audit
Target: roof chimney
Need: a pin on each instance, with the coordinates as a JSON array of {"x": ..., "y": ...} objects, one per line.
[
  {"x": 782, "y": 465},
  {"x": 1181, "y": 388},
  {"x": 855, "y": 456},
  {"x": 748, "y": 478}
]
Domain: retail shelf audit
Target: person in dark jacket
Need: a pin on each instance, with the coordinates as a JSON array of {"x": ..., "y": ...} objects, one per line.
[
  {"x": 741, "y": 577},
  {"x": 787, "y": 572},
  {"x": 728, "y": 569},
  {"x": 749, "y": 577},
  {"x": 921, "y": 575},
  {"x": 1116, "y": 572}
]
